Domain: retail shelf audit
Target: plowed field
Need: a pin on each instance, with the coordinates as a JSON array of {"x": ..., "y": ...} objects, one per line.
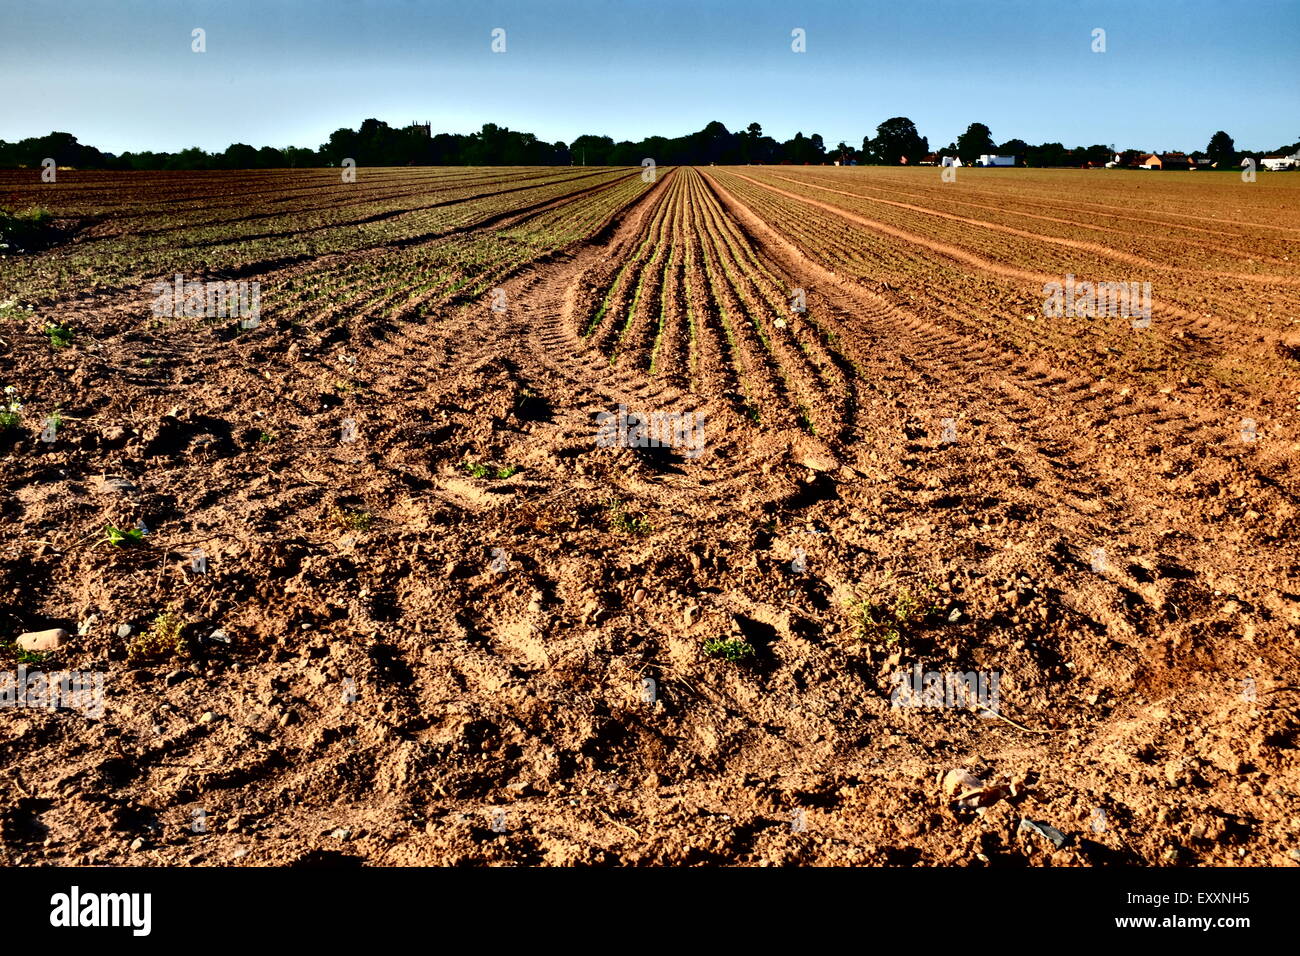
[{"x": 395, "y": 598}]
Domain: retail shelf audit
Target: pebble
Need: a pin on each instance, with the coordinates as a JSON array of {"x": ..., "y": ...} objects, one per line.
[
  {"x": 124, "y": 630},
  {"x": 176, "y": 676},
  {"x": 1174, "y": 773},
  {"x": 342, "y": 833},
  {"x": 137, "y": 843},
  {"x": 1044, "y": 830},
  {"x": 208, "y": 717},
  {"x": 50, "y": 640}
]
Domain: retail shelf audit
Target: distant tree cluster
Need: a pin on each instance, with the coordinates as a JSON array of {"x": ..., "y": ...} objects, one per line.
[
  {"x": 375, "y": 143},
  {"x": 713, "y": 144},
  {"x": 64, "y": 149},
  {"x": 896, "y": 141}
]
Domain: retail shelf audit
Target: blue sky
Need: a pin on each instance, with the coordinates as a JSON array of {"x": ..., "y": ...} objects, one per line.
[{"x": 121, "y": 75}]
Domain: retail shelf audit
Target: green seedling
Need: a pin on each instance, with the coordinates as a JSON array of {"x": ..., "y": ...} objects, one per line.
[
  {"x": 479, "y": 470},
  {"x": 60, "y": 336},
  {"x": 10, "y": 408},
  {"x": 30, "y": 657},
  {"x": 624, "y": 523},
  {"x": 734, "y": 650},
  {"x": 886, "y": 619},
  {"x": 164, "y": 639},
  {"x": 351, "y": 519},
  {"x": 124, "y": 537}
]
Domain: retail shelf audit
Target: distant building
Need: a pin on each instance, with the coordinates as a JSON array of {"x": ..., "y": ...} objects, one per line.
[
  {"x": 989, "y": 159},
  {"x": 424, "y": 128},
  {"x": 1276, "y": 163},
  {"x": 1165, "y": 161},
  {"x": 930, "y": 159},
  {"x": 1129, "y": 159}
]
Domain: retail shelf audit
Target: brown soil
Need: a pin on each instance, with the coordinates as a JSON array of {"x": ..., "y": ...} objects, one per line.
[{"x": 426, "y": 666}]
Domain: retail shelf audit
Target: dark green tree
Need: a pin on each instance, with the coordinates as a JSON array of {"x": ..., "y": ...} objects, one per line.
[
  {"x": 239, "y": 156},
  {"x": 1221, "y": 149},
  {"x": 895, "y": 139},
  {"x": 1014, "y": 147},
  {"x": 976, "y": 141},
  {"x": 592, "y": 150}
]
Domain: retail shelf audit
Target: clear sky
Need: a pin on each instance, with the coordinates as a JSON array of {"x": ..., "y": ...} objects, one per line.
[{"x": 120, "y": 74}]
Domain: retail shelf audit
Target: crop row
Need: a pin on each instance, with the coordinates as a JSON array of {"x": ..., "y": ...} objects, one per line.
[
  {"x": 697, "y": 305},
  {"x": 121, "y": 261}
]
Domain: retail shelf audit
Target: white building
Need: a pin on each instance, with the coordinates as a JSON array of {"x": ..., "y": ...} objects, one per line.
[
  {"x": 1276, "y": 163},
  {"x": 990, "y": 160}
]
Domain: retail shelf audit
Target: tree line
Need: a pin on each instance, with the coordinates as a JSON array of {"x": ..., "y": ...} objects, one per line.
[{"x": 375, "y": 143}]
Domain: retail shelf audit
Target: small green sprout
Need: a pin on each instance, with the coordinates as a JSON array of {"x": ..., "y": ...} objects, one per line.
[
  {"x": 885, "y": 619},
  {"x": 624, "y": 523},
  {"x": 30, "y": 657},
  {"x": 164, "y": 639},
  {"x": 10, "y": 408},
  {"x": 60, "y": 335},
  {"x": 351, "y": 519},
  {"x": 122, "y": 538},
  {"x": 479, "y": 470},
  {"x": 734, "y": 650}
]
